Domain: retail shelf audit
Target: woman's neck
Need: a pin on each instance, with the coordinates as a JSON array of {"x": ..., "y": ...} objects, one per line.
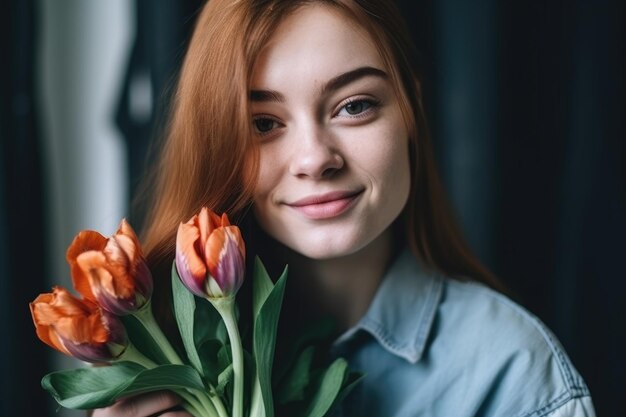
[{"x": 340, "y": 287}]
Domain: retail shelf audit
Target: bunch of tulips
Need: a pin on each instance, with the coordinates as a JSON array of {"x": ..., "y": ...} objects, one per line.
[{"x": 112, "y": 323}]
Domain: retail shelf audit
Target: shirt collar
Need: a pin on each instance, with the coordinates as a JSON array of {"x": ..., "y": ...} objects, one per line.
[{"x": 402, "y": 312}]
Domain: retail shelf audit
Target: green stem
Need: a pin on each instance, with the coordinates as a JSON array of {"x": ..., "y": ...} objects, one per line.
[
  {"x": 192, "y": 410},
  {"x": 213, "y": 403},
  {"x": 131, "y": 354},
  {"x": 257, "y": 406},
  {"x": 226, "y": 308},
  {"x": 198, "y": 406},
  {"x": 219, "y": 406},
  {"x": 146, "y": 318},
  {"x": 192, "y": 405}
]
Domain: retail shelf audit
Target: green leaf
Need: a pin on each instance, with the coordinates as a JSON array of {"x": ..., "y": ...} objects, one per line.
[
  {"x": 224, "y": 361},
  {"x": 224, "y": 378},
  {"x": 350, "y": 382},
  {"x": 142, "y": 339},
  {"x": 314, "y": 333},
  {"x": 296, "y": 381},
  {"x": 224, "y": 357},
  {"x": 261, "y": 287},
  {"x": 329, "y": 388},
  {"x": 208, "y": 353},
  {"x": 208, "y": 323},
  {"x": 96, "y": 387},
  {"x": 184, "y": 308},
  {"x": 264, "y": 336}
]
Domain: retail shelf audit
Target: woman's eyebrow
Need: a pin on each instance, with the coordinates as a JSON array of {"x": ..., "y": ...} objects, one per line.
[
  {"x": 348, "y": 77},
  {"x": 266, "y": 95},
  {"x": 333, "y": 84}
]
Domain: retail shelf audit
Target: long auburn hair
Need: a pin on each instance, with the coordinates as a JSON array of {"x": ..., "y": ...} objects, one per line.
[{"x": 209, "y": 157}]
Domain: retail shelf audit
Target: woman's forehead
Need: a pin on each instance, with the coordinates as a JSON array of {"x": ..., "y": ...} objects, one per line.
[{"x": 314, "y": 40}]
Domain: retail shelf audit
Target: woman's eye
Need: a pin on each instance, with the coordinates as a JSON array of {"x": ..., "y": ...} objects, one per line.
[
  {"x": 264, "y": 124},
  {"x": 355, "y": 108}
]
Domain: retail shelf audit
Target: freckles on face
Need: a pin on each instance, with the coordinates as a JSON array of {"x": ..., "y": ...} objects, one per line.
[{"x": 334, "y": 165}]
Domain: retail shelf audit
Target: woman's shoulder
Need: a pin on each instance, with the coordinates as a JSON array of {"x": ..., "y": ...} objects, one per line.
[
  {"x": 512, "y": 352},
  {"x": 485, "y": 315},
  {"x": 435, "y": 346}
]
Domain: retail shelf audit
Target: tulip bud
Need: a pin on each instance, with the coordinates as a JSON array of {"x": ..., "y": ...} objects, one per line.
[
  {"x": 111, "y": 272},
  {"x": 210, "y": 255},
  {"x": 78, "y": 328}
]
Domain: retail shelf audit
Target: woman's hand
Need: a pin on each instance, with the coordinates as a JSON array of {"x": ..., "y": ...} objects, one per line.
[{"x": 161, "y": 403}]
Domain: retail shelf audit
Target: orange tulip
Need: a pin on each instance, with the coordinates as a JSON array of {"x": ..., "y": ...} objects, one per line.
[
  {"x": 111, "y": 272},
  {"x": 210, "y": 255},
  {"x": 78, "y": 328}
]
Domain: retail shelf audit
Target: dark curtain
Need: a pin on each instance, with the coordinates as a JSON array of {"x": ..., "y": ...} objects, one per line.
[
  {"x": 22, "y": 232},
  {"x": 561, "y": 194},
  {"x": 528, "y": 120}
]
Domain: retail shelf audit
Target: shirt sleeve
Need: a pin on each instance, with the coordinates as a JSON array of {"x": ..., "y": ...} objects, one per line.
[{"x": 578, "y": 407}]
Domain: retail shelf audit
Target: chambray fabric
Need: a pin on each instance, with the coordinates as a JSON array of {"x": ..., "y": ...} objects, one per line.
[{"x": 437, "y": 347}]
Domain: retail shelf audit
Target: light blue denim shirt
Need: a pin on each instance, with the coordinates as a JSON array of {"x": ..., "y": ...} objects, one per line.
[{"x": 437, "y": 347}]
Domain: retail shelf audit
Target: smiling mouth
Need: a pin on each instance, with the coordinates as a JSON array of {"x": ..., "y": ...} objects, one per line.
[{"x": 326, "y": 206}]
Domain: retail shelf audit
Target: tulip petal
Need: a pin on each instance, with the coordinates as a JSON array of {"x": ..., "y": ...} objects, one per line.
[
  {"x": 130, "y": 243},
  {"x": 76, "y": 327},
  {"x": 118, "y": 263},
  {"x": 50, "y": 308},
  {"x": 109, "y": 283},
  {"x": 190, "y": 266},
  {"x": 224, "y": 222},
  {"x": 212, "y": 289},
  {"x": 214, "y": 248},
  {"x": 93, "y": 264},
  {"x": 202, "y": 223},
  {"x": 89, "y": 353},
  {"x": 111, "y": 271},
  {"x": 137, "y": 270},
  {"x": 82, "y": 329},
  {"x": 54, "y": 340},
  {"x": 210, "y": 255},
  {"x": 42, "y": 321},
  {"x": 122, "y": 249},
  {"x": 230, "y": 269},
  {"x": 216, "y": 221},
  {"x": 235, "y": 234},
  {"x": 226, "y": 260},
  {"x": 143, "y": 280},
  {"x": 86, "y": 240}
]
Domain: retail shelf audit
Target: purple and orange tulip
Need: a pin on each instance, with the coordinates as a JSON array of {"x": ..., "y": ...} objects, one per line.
[
  {"x": 111, "y": 272},
  {"x": 210, "y": 255},
  {"x": 78, "y": 328}
]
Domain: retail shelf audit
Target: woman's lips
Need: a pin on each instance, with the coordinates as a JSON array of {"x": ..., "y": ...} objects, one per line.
[{"x": 325, "y": 206}]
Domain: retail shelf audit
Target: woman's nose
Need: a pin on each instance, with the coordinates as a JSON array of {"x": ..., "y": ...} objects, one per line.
[{"x": 315, "y": 155}]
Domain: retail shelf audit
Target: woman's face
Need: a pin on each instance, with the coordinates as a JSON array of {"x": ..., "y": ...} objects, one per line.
[{"x": 334, "y": 163}]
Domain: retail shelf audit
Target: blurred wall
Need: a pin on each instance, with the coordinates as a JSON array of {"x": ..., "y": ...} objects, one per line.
[{"x": 83, "y": 50}]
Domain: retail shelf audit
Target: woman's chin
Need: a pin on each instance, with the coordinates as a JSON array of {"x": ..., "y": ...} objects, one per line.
[{"x": 327, "y": 248}]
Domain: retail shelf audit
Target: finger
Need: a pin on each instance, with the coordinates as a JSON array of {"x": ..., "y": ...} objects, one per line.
[
  {"x": 145, "y": 405},
  {"x": 176, "y": 414}
]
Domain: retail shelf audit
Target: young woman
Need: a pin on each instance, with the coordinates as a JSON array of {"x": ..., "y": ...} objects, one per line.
[{"x": 304, "y": 120}]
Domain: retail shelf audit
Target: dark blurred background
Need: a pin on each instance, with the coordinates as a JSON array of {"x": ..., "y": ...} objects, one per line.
[{"x": 526, "y": 105}]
